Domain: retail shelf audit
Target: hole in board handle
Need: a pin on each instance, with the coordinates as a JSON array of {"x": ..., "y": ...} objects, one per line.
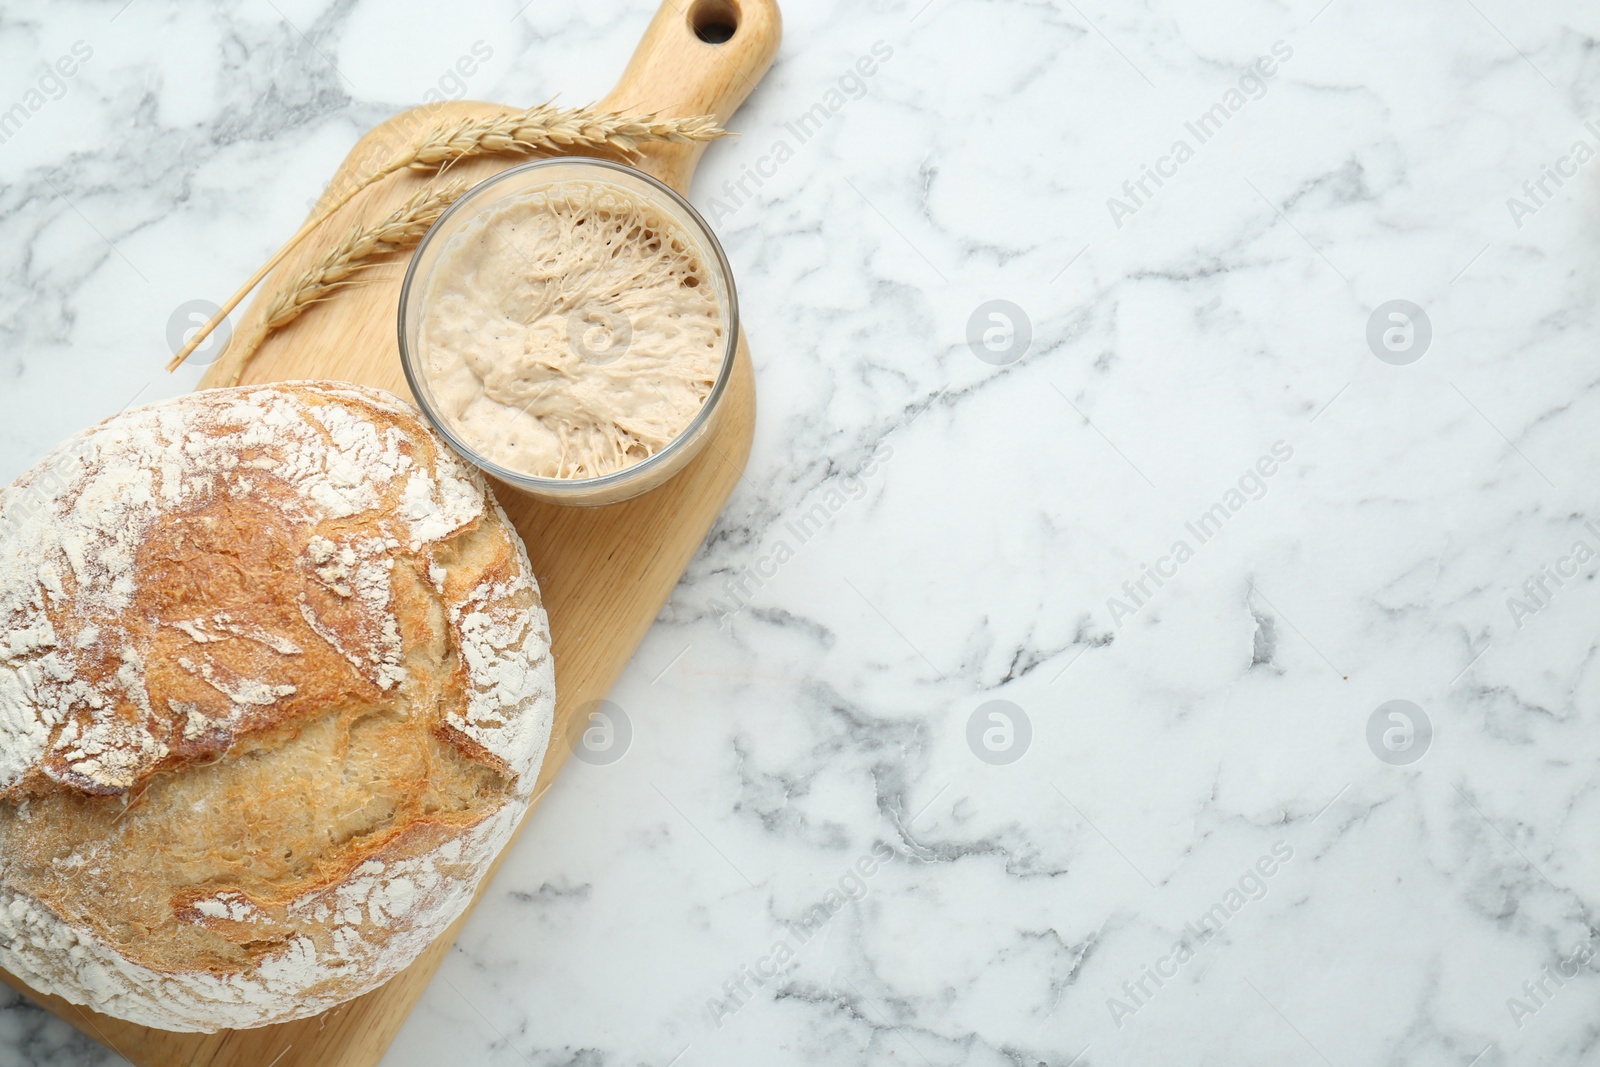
[{"x": 715, "y": 21}]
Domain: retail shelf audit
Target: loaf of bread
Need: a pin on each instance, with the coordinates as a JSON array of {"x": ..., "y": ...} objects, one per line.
[{"x": 275, "y": 687}]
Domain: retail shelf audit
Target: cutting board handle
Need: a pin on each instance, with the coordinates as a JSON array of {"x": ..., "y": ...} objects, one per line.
[{"x": 698, "y": 57}]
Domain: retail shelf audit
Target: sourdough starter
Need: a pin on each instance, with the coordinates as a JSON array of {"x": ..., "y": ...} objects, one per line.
[{"x": 571, "y": 331}]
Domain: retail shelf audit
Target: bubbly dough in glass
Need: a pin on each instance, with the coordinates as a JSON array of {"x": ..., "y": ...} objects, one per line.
[{"x": 571, "y": 331}]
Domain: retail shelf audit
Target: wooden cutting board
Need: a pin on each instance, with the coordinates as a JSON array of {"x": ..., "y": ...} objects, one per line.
[{"x": 604, "y": 572}]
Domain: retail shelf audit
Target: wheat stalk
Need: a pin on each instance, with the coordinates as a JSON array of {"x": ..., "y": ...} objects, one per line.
[
  {"x": 402, "y": 229},
  {"x": 361, "y": 248},
  {"x": 551, "y": 129},
  {"x": 538, "y": 129}
]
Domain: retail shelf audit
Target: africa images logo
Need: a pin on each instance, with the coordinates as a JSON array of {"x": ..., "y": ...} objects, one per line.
[
  {"x": 851, "y": 85},
  {"x": 1252, "y": 885},
  {"x": 1252, "y": 485},
  {"x": 1253, "y": 85},
  {"x": 851, "y": 886}
]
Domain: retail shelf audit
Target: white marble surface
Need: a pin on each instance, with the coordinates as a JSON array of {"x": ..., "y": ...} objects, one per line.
[{"x": 977, "y": 518}]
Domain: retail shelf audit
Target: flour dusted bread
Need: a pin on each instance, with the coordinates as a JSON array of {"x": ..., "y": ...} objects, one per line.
[{"x": 275, "y": 685}]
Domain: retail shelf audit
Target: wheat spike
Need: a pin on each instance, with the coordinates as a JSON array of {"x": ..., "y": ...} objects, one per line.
[
  {"x": 361, "y": 248},
  {"x": 403, "y": 229},
  {"x": 544, "y": 128},
  {"x": 551, "y": 129}
]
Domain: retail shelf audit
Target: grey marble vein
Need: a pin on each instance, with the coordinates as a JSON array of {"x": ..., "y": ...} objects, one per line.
[{"x": 822, "y": 846}]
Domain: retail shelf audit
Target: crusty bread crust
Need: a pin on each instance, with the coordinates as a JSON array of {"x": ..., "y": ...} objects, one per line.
[{"x": 275, "y": 685}]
